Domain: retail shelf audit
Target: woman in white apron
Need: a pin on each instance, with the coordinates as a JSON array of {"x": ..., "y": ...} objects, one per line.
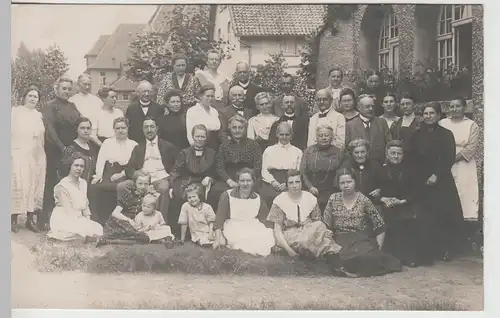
[
  {"x": 466, "y": 133},
  {"x": 241, "y": 219}
]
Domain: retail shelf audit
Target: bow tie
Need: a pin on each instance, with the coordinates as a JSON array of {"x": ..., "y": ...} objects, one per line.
[
  {"x": 286, "y": 118},
  {"x": 144, "y": 106},
  {"x": 323, "y": 115}
]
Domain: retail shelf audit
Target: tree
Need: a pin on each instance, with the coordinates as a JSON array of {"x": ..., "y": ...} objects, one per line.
[
  {"x": 188, "y": 33},
  {"x": 37, "y": 67}
]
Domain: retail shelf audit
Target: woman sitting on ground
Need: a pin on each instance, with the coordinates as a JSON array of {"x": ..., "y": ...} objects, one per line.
[
  {"x": 402, "y": 215},
  {"x": 240, "y": 220},
  {"x": 114, "y": 154},
  {"x": 121, "y": 226},
  {"x": 359, "y": 229},
  {"x": 71, "y": 216},
  {"x": 298, "y": 228}
]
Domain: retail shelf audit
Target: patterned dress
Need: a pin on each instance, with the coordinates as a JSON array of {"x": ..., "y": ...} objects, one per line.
[
  {"x": 28, "y": 160},
  {"x": 90, "y": 156},
  {"x": 302, "y": 227},
  {"x": 188, "y": 87},
  {"x": 318, "y": 167},
  {"x": 355, "y": 230}
]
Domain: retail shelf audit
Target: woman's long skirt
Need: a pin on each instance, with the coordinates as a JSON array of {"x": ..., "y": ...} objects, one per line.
[
  {"x": 66, "y": 226},
  {"x": 361, "y": 255},
  {"x": 116, "y": 229},
  {"x": 312, "y": 240}
]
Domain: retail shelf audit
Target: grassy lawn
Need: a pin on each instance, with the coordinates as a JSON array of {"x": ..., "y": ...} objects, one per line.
[{"x": 120, "y": 277}]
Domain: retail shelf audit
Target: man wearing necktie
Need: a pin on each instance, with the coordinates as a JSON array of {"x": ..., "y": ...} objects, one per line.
[
  {"x": 156, "y": 157},
  {"x": 327, "y": 116},
  {"x": 236, "y": 98},
  {"x": 141, "y": 108},
  {"x": 367, "y": 126},
  {"x": 299, "y": 123}
]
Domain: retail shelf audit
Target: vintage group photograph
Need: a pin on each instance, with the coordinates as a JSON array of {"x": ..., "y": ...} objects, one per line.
[{"x": 247, "y": 157}]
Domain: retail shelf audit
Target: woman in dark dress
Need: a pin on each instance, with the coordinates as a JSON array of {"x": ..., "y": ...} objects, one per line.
[
  {"x": 319, "y": 164},
  {"x": 407, "y": 124},
  {"x": 405, "y": 237},
  {"x": 84, "y": 146},
  {"x": 114, "y": 154},
  {"x": 172, "y": 125},
  {"x": 374, "y": 88},
  {"x": 366, "y": 171},
  {"x": 348, "y": 104},
  {"x": 359, "y": 229},
  {"x": 433, "y": 148},
  {"x": 240, "y": 152},
  {"x": 61, "y": 119},
  {"x": 195, "y": 164}
]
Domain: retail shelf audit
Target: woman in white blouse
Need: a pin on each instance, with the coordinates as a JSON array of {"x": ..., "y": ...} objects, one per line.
[
  {"x": 114, "y": 154},
  {"x": 108, "y": 114},
  {"x": 277, "y": 160},
  {"x": 211, "y": 74},
  {"x": 204, "y": 114}
]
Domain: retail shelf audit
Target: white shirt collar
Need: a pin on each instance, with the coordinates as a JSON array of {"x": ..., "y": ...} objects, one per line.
[
  {"x": 289, "y": 115},
  {"x": 244, "y": 85},
  {"x": 144, "y": 104},
  {"x": 326, "y": 111},
  {"x": 154, "y": 141},
  {"x": 409, "y": 117},
  {"x": 363, "y": 118}
]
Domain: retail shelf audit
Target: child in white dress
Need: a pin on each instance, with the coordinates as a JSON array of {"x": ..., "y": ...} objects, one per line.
[
  {"x": 198, "y": 216},
  {"x": 151, "y": 222}
]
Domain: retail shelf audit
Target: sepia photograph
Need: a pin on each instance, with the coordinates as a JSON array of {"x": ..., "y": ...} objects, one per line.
[{"x": 247, "y": 156}]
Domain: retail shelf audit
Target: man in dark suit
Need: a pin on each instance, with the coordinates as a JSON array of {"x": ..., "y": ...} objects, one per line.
[
  {"x": 141, "y": 108},
  {"x": 156, "y": 157},
  {"x": 367, "y": 126},
  {"x": 287, "y": 84},
  {"x": 236, "y": 97},
  {"x": 299, "y": 124},
  {"x": 249, "y": 87}
]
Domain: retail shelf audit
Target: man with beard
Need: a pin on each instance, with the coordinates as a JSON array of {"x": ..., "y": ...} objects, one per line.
[
  {"x": 156, "y": 157},
  {"x": 367, "y": 126},
  {"x": 88, "y": 105},
  {"x": 237, "y": 100},
  {"x": 141, "y": 108},
  {"x": 299, "y": 123},
  {"x": 250, "y": 89},
  {"x": 60, "y": 118},
  {"x": 287, "y": 84}
]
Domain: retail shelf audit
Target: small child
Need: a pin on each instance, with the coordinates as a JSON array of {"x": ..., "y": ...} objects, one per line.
[
  {"x": 260, "y": 125},
  {"x": 199, "y": 216},
  {"x": 151, "y": 222}
]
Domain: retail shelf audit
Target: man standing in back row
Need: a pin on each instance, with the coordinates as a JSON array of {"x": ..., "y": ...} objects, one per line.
[{"x": 250, "y": 89}]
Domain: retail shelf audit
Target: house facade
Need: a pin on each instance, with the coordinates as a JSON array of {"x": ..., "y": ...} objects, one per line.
[
  {"x": 106, "y": 61},
  {"x": 400, "y": 37},
  {"x": 255, "y": 31}
]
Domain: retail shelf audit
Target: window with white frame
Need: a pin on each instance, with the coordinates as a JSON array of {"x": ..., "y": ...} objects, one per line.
[
  {"x": 125, "y": 96},
  {"x": 388, "y": 45},
  {"x": 102, "y": 78},
  {"x": 288, "y": 47},
  {"x": 454, "y": 36}
]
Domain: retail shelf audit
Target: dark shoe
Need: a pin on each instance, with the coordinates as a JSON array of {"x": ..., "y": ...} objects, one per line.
[
  {"x": 31, "y": 225},
  {"x": 447, "y": 257},
  {"x": 169, "y": 243}
]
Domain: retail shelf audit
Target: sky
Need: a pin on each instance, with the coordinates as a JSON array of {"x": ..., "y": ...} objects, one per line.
[{"x": 74, "y": 28}]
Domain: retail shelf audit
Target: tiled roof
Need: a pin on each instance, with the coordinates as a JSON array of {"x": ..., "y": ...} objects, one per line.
[
  {"x": 277, "y": 19},
  {"x": 115, "y": 51},
  {"x": 94, "y": 51},
  {"x": 123, "y": 84}
]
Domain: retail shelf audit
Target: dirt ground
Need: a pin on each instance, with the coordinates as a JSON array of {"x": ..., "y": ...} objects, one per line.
[{"x": 459, "y": 282}]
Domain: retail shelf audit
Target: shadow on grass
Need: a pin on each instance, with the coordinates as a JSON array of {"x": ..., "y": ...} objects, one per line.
[
  {"x": 435, "y": 305},
  {"x": 188, "y": 259}
]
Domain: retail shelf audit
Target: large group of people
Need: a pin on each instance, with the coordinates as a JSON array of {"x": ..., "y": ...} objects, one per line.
[{"x": 360, "y": 181}]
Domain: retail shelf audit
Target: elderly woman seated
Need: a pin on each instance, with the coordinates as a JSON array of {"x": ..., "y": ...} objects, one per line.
[
  {"x": 319, "y": 165},
  {"x": 366, "y": 170},
  {"x": 121, "y": 227},
  {"x": 239, "y": 152},
  {"x": 240, "y": 220},
  {"x": 71, "y": 216},
  {"x": 277, "y": 160},
  {"x": 298, "y": 228},
  {"x": 359, "y": 229}
]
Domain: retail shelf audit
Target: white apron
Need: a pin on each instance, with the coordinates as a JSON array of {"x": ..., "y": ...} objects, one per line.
[
  {"x": 464, "y": 172},
  {"x": 244, "y": 231}
]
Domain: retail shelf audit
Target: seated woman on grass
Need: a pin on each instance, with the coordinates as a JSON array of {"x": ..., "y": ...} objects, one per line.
[
  {"x": 240, "y": 221},
  {"x": 298, "y": 228},
  {"x": 71, "y": 216},
  {"x": 359, "y": 228},
  {"x": 198, "y": 216},
  {"x": 121, "y": 227}
]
